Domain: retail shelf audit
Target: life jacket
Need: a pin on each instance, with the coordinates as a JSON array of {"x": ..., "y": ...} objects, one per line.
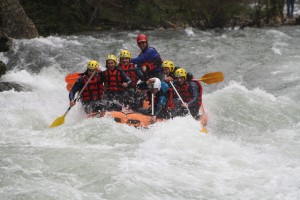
[
  {"x": 130, "y": 72},
  {"x": 94, "y": 89},
  {"x": 170, "y": 102},
  {"x": 152, "y": 64},
  {"x": 169, "y": 95},
  {"x": 186, "y": 95},
  {"x": 113, "y": 80}
]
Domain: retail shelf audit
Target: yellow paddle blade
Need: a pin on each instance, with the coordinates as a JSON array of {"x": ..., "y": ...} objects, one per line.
[
  {"x": 204, "y": 130},
  {"x": 59, "y": 121},
  {"x": 213, "y": 77}
]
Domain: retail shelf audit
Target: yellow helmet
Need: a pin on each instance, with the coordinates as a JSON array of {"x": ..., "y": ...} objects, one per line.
[
  {"x": 112, "y": 57},
  {"x": 180, "y": 73},
  {"x": 93, "y": 64},
  {"x": 125, "y": 54},
  {"x": 168, "y": 64}
]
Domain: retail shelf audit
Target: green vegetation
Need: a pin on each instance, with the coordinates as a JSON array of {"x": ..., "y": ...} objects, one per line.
[{"x": 69, "y": 16}]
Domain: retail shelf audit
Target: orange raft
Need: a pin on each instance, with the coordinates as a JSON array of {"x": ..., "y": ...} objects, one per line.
[{"x": 130, "y": 119}]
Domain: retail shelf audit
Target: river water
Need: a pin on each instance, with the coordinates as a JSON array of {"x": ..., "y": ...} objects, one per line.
[{"x": 252, "y": 150}]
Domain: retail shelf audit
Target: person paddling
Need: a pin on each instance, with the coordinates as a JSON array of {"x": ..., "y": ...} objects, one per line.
[
  {"x": 92, "y": 94},
  {"x": 149, "y": 60},
  {"x": 190, "y": 92}
]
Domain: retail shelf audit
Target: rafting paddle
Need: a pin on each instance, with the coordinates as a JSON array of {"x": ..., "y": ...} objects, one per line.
[
  {"x": 71, "y": 78},
  {"x": 214, "y": 77},
  {"x": 204, "y": 130},
  {"x": 61, "y": 120},
  {"x": 210, "y": 78}
]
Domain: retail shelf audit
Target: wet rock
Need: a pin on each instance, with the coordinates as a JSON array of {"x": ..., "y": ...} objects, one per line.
[
  {"x": 297, "y": 22},
  {"x": 6, "y": 86},
  {"x": 14, "y": 21},
  {"x": 5, "y": 43},
  {"x": 3, "y": 68}
]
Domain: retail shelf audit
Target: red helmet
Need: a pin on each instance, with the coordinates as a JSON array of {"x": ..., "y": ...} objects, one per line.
[{"x": 141, "y": 38}]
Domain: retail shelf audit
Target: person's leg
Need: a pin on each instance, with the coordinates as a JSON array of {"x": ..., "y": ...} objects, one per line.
[
  {"x": 288, "y": 3},
  {"x": 292, "y": 8}
]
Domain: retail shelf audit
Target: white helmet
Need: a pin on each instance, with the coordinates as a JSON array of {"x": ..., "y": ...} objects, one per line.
[{"x": 157, "y": 83}]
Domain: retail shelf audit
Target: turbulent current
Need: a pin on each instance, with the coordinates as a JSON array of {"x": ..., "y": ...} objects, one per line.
[{"x": 252, "y": 150}]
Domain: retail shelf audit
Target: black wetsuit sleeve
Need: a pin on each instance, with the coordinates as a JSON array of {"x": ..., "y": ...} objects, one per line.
[
  {"x": 101, "y": 75},
  {"x": 76, "y": 87},
  {"x": 194, "y": 90},
  {"x": 124, "y": 77},
  {"x": 139, "y": 73}
]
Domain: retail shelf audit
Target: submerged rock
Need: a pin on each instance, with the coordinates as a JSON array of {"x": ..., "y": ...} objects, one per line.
[
  {"x": 3, "y": 68},
  {"x": 5, "y": 43},
  {"x": 5, "y": 86}
]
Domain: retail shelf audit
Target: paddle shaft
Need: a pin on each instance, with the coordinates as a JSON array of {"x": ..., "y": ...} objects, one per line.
[
  {"x": 61, "y": 120},
  {"x": 79, "y": 94},
  {"x": 179, "y": 95},
  {"x": 203, "y": 127}
]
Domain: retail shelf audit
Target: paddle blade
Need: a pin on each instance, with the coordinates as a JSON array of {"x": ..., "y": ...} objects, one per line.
[
  {"x": 204, "y": 130},
  {"x": 69, "y": 87},
  {"x": 59, "y": 121},
  {"x": 72, "y": 78},
  {"x": 211, "y": 78}
]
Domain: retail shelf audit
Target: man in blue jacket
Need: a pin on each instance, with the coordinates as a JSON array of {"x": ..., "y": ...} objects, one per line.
[{"x": 149, "y": 60}]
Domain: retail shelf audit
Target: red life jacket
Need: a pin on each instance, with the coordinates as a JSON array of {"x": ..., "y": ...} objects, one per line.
[
  {"x": 94, "y": 89},
  {"x": 170, "y": 103},
  {"x": 186, "y": 95},
  {"x": 113, "y": 80},
  {"x": 153, "y": 63},
  {"x": 130, "y": 72},
  {"x": 150, "y": 66}
]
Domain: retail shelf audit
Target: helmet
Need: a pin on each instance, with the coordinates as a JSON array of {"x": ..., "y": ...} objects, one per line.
[
  {"x": 92, "y": 65},
  {"x": 168, "y": 64},
  {"x": 141, "y": 38},
  {"x": 157, "y": 83},
  {"x": 112, "y": 57},
  {"x": 180, "y": 73},
  {"x": 125, "y": 54}
]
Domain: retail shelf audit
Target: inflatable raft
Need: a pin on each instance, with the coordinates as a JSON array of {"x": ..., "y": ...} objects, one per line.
[
  {"x": 132, "y": 118},
  {"x": 129, "y": 117}
]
